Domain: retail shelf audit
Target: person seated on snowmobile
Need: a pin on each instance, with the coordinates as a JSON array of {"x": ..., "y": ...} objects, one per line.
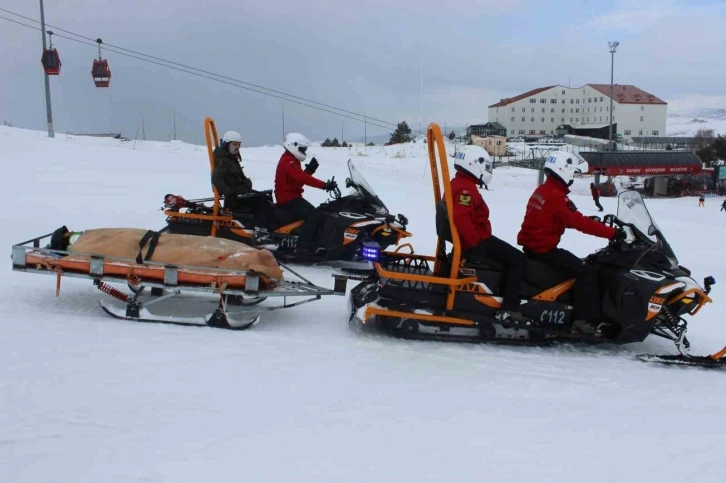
[
  {"x": 471, "y": 218},
  {"x": 549, "y": 213},
  {"x": 290, "y": 178},
  {"x": 228, "y": 177}
]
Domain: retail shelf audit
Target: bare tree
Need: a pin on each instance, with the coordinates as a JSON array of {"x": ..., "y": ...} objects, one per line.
[{"x": 704, "y": 138}]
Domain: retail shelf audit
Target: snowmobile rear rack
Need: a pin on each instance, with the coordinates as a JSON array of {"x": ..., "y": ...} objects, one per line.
[{"x": 234, "y": 287}]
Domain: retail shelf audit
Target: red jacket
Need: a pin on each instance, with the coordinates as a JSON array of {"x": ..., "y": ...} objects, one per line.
[
  {"x": 549, "y": 213},
  {"x": 471, "y": 213},
  {"x": 290, "y": 179}
]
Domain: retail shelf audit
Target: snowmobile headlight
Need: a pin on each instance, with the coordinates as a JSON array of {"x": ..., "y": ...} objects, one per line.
[{"x": 371, "y": 251}]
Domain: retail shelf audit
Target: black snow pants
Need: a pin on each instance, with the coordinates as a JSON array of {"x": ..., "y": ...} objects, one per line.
[
  {"x": 587, "y": 287},
  {"x": 597, "y": 203},
  {"x": 515, "y": 264},
  {"x": 302, "y": 209}
]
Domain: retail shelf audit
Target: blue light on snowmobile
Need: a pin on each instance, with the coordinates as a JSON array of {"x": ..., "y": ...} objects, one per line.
[{"x": 371, "y": 251}]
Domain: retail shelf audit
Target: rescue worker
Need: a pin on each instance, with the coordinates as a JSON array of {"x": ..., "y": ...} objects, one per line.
[
  {"x": 228, "y": 176},
  {"x": 723, "y": 206},
  {"x": 290, "y": 178},
  {"x": 595, "y": 196},
  {"x": 549, "y": 213},
  {"x": 471, "y": 218}
]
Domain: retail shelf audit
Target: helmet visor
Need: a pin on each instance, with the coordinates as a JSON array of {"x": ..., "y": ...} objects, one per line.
[{"x": 303, "y": 149}]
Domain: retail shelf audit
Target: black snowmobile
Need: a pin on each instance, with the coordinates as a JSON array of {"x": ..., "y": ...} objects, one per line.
[
  {"x": 356, "y": 227},
  {"x": 644, "y": 289}
]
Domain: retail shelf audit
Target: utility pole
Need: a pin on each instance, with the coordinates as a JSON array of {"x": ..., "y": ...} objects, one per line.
[
  {"x": 143, "y": 128},
  {"x": 420, "y": 122},
  {"x": 48, "y": 110},
  {"x": 612, "y": 46},
  {"x": 175, "y": 123},
  {"x": 365, "y": 128},
  {"x": 342, "y": 131},
  {"x": 282, "y": 105}
]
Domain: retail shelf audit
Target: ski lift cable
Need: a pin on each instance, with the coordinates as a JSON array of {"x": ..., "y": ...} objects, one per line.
[
  {"x": 231, "y": 83},
  {"x": 202, "y": 71}
]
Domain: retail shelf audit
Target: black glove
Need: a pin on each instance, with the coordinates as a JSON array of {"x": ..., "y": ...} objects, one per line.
[
  {"x": 312, "y": 166},
  {"x": 330, "y": 185},
  {"x": 619, "y": 236}
]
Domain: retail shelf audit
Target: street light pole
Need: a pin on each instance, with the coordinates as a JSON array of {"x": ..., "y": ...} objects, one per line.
[
  {"x": 48, "y": 110},
  {"x": 612, "y": 46}
]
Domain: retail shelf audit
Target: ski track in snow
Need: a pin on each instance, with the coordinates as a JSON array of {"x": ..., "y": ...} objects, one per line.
[{"x": 85, "y": 397}]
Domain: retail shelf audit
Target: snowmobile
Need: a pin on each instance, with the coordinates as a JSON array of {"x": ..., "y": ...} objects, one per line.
[
  {"x": 354, "y": 228},
  {"x": 645, "y": 290}
]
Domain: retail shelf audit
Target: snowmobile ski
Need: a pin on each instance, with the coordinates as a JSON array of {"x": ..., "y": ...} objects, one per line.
[
  {"x": 714, "y": 360},
  {"x": 217, "y": 319}
]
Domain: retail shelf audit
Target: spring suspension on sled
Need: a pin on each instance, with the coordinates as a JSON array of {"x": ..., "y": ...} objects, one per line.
[{"x": 113, "y": 292}]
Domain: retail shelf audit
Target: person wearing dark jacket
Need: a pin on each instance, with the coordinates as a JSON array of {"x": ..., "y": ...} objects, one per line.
[
  {"x": 549, "y": 213},
  {"x": 723, "y": 206},
  {"x": 471, "y": 218},
  {"x": 228, "y": 176},
  {"x": 595, "y": 196},
  {"x": 290, "y": 180}
]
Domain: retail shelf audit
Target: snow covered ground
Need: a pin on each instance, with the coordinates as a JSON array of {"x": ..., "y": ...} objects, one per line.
[
  {"x": 84, "y": 397},
  {"x": 688, "y": 122}
]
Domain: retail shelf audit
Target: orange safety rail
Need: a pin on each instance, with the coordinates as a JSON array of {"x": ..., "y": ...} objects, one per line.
[
  {"x": 703, "y": 299},
  {"x": 436, "y": 142},
  {"x": 210, "y": 132},
  {"x": 130, "y": 270},
  {"x": 371, "y": 311}
]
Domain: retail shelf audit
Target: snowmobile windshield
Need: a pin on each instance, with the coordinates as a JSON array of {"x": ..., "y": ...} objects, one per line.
[
  {"x": 364, "y": 189},
  {"x": 632, "y": 210}
]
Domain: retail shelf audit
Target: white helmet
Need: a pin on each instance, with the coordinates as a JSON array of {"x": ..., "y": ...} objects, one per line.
[
  {"x": 562, "y": 165},
  {"x": 475, "y": 161},
  {"x": 231, "y": 137},
  {"x": 297, "y": 145}
]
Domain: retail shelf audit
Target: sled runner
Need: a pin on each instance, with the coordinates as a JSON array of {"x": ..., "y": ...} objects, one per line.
[
  {"x": 239, "y": 290},
  {"x": 347, "y": 222},
  {"x": 645, "y": 290}
]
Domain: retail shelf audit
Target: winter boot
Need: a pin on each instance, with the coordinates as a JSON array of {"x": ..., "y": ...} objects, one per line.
[
  {"x": 587, "y": 328},
  {"x": 511, "y": 318}
]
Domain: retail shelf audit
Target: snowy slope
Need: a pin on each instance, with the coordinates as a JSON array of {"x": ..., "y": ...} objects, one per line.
[
  {"x": 84, "y": 397},
  {"x": 688, "y": 122}
]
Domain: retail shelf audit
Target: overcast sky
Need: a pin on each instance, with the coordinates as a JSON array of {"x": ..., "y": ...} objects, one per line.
[{"x": 360, "y": 56}]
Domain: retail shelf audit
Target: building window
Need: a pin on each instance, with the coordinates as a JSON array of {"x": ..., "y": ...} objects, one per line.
[
  {"x": 543, "y": 119},
  {"x": 577, "y": 119},
  {"x": 570, "y": 119},
  {"x": 572, "y": 101},
  {"x": 607, "y": 109},
  {"x": 563, "y": 101},
  {"x": 543, "y": 109},
  {"x": 563, "y": 119},
  {"x": 600, "y": 118},
  {"x": 552, "y": 110},
  {"x": 641, "y": 118},
  {"x": 512, "y": 109},
  {"x": 642, "y": 108},
  {"x": 553, "y": 101},
  {"x": 655, "y": 133},
  {"x": 577, "y": 109},
  {"x": 563, "y": 111},
  {"x": 531, "y": 131},
  {"x": 524, "y": 109},
  {"x": 640, "y": 133},
  {"x": 533, "y": 109},
  {"x": 570, "y": 110},
  {"x": 601, "y": 99},
  {"x": 613, "y": 118},
  {"x": 511, "y": 131},
  {"x": 521, "y": 131},
  {"x": 601, "y": 109},
  {"x": 532, "y": 119},
  {"x": 563, "y": 93},
  {"x": 543, "y": 101},
  {"x": 543, "y": 132},
  {"x": 512, "y": 119},
  {"x": 533, "y": 101},
  {"x": 589, "y": 100},
  {"x": 524, "y": 119},
  {"x": 577, "y": 101},
  {"x": 627, "y": 132},
  {"x": 552, "y": 119}
]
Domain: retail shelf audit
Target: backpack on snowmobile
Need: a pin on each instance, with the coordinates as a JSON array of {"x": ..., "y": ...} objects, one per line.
[
  {"x": 645, "y": 290},
  {"x": 348, "y": 223}
]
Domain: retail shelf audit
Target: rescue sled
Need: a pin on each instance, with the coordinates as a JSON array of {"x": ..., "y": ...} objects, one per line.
[
  {"x": 646, "y": 291},
  {"x": 349, "y": 222},
  {"x": 239, "y": 291}
]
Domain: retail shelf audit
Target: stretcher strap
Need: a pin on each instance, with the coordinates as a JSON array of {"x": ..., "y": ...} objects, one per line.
[{"x": 152, "y": 238}]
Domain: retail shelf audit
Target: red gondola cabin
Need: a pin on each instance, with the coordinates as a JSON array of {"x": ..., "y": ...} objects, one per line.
[
  {"x": 101, "y": 73},
  {"x": 51, "y": 62}
]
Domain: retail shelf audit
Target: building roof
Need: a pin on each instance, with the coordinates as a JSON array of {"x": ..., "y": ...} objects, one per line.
[
  {"x": 663, "y": 140},
  {"x": 642, "y": 162},
  {"x": 627, "y": 94},
  {"x": 510, "y": 100}
]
